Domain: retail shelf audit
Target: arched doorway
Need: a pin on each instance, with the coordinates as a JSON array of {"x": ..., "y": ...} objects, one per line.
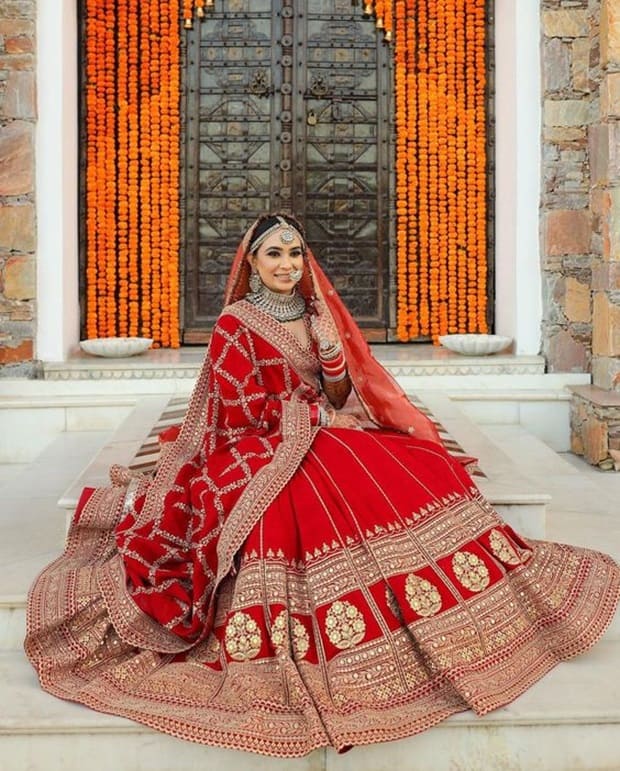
[{"x": 287, "y": 108}]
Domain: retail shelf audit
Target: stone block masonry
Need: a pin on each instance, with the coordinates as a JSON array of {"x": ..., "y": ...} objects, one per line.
[
  {"x": 595, "y": 426},
  {"x": 17, "y": 180},
  {"x": 571, "y": 84},
  {"x": 605, "y": 149},
  {"x": 595, "y": 410}
]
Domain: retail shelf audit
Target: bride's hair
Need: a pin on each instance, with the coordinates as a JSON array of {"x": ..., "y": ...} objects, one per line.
[{"x": 266, "y": 221}]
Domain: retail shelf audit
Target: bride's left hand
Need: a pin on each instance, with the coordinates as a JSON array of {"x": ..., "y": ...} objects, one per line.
[{"x": 324, "y": 330}]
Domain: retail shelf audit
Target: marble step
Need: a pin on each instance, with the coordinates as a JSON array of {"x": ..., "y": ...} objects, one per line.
[
  {"x": 32, "y": 526},
  {"x": 12, "y": 622},
  {"x": 402, "y": 359},
  {"x": 121, "y": 449},
  {"x": 517, "y": 499},
  {"x": 584, "y": 506},
  {"x": 568, "y": 720}
]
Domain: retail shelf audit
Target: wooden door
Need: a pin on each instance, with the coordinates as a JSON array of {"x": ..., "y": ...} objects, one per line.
[{"x": 286, "y": 107}]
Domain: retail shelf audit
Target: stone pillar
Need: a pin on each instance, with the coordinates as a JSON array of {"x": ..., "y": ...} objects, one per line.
[
  {"x": 17, "y": 174},
  {"x": 595, "y": 419},
  {"x": 570, "y": 88},
  {"x": 605, "y": 162}
]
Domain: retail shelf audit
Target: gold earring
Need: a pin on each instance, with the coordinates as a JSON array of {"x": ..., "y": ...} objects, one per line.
[{"x": 255, "y": 281}]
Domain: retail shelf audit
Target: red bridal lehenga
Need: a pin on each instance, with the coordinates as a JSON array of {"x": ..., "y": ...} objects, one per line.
[{"x": 278, "y": 587}]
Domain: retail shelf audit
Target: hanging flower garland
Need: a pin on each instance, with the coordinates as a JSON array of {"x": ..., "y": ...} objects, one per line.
[
  {"x": 441, "y": 188},
  {"x": 132, "y": 171}
]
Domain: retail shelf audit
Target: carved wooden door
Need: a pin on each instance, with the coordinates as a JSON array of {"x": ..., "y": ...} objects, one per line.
[{"x": 286, "y": 107}]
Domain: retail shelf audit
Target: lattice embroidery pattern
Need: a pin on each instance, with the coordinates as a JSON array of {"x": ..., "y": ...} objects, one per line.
[
  {"x": 148, "y": 454},
  {"x": 301, "y": 359}
]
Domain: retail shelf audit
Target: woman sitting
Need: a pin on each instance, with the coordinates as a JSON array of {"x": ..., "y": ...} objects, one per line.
[{"x": 308, "y": 566}]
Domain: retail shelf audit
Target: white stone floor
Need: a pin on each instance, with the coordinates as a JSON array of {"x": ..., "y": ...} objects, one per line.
[{"x": 32, "y": 526}]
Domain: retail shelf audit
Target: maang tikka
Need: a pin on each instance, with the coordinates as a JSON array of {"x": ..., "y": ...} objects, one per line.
[{"x": 287, "y": 234}]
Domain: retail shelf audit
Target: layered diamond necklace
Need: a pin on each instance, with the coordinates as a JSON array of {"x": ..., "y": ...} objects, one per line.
[{"x": 282, "y": 307}]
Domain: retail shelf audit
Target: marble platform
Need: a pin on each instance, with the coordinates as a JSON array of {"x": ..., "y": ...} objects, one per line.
[
  {"x": 569, "y": 720},
  {"x": 401, "y": 360},
  {"x": 91, "y": 393}
]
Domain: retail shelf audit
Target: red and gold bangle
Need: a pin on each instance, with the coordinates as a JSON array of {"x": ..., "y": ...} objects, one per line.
[
  {"x": 314, "y": 415},
  {"x": 332, "y": 360},
  {"x": 334, "y": 368}
]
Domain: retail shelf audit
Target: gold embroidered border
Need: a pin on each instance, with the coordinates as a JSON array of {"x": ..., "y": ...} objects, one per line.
[
  {"x": 559, "y": 604},
  {"x": 132, "y": 624}
]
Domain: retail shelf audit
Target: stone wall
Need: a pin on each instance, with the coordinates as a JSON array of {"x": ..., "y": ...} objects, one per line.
[
  {"x": 595, "y": 413},
  {"x": 17, "y": 179},
  {"x": 605, "y": 162},
  {"x": 595, "y": 426},
  {"x": 570, "y": 231}
]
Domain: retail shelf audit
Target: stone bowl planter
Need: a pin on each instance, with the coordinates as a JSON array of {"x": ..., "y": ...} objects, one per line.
[
  {"x": 116, "y": 347},
  {"x": 475, "y": 345}
]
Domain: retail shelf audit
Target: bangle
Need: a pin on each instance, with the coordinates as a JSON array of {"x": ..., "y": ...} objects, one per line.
[
  {"x": 334, "y": 369},
  {"x": 329, "y": 351},
  {"x": 335, "y": 377},
  {"x": 324, "y": 417}
]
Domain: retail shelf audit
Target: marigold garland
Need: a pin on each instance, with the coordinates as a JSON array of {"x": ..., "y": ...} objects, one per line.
[
  {"x": 132, "y": 171},
  {"x": 441, "y": 187}
]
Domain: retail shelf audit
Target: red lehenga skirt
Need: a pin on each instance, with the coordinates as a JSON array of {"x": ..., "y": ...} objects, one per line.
[{"x": 377, "y": 595}]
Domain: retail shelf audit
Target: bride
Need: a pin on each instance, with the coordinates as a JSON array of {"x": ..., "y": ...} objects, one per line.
[{"x": 308, "y": 566}]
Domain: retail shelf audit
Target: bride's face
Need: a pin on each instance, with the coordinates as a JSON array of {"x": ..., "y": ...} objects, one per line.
[{"x": 275, "y": 262}]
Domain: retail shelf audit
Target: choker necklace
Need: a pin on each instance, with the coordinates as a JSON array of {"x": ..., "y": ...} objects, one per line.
[{"x": 282, "y": 307}]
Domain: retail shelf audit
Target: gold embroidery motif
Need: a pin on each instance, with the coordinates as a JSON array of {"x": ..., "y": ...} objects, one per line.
[
  {"x": 243, "y": 637},
  {"x": 471, "y": 571},
  {"x": 344, "y": 625},
  {"x": 300, "y": 638},
  {"x": 501, "y": 548},
  {"x": 422, "y": 595}
]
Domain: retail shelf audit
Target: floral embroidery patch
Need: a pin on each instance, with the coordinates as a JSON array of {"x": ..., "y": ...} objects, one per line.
[
  {"x": 300, "y": 639},
  {"x": 422, "y": 595},
  {"x": 344, "y": 625},
  {"x": 471, "y": 571},
  {"x": 243, "y": 637},
  {"x": 502, "y": 549}
]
